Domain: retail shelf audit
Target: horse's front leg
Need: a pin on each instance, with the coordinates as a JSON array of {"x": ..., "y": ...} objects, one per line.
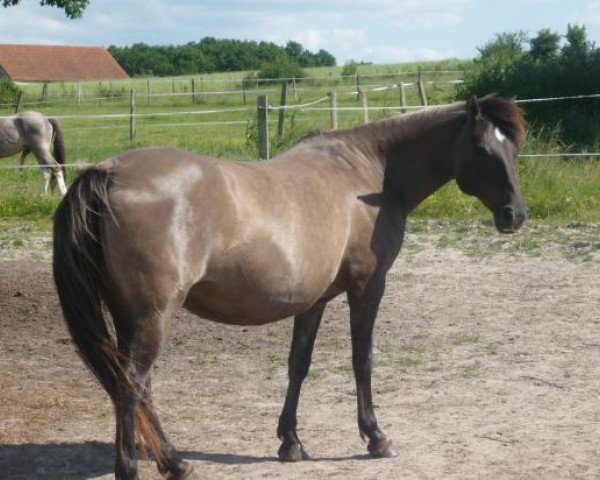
[
  {"x": 363, "y": 310},
  {"x": 306, "y": 326}
]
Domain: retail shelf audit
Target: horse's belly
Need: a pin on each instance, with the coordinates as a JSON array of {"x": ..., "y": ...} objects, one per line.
[
  {"x": 239, "y": 303},
  {"x": 271, "y": 276}
]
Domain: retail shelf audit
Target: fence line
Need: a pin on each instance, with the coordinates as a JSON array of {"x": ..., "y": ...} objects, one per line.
[
  {"x": 529, "y": 155},
  {"x": 548, "y": 99},
  {"x": 558, "y": 154},
  {"x": 306, "y": 107},
  {"x": 263, "y": 108},
  {"x": 156, "y": 114},
  {"x": 114, "y": 88},
  {"x": 228, "y": 80},
  {"x": 66, "y": 99},
  {"x": 292, "y": 107},
  {"x": 164, "y": 125}
]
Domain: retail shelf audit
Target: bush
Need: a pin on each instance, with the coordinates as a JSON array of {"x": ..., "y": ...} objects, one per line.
[
  {"x": 506, "y": 68},
  {"x": 280, "y": 69},
  {"x": 349, "y": 69},
  {"x": 9, "y": 92}
]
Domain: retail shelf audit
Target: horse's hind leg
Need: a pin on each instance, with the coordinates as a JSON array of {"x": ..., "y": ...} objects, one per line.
[
  {"x": 306, "y": 326},
  {"x": 139, "y": 342},
  {"x": 169, "y": 462},
  {"x": 46, "y": 179},
  {"x": 51, "y": 170},
  {"x": 26, "y": 151}
]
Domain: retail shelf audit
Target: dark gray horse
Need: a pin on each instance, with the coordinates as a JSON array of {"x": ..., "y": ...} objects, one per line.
[
  {"x": 149, "y": 231},
  {"x": 32, "y": 132}
]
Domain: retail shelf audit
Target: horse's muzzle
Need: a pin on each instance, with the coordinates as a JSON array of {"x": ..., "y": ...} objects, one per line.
[{"x": 509, "y": 218}]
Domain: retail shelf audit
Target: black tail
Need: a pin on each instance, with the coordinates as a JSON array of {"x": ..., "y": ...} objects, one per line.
[
  {"x": 78, "y": 266},
  {"x": 81, "y": 281},
  {"x": 59, "y": 144}
]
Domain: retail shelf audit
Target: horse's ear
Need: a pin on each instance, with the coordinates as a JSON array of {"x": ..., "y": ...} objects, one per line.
[
  {"x": 473, "y": 108},
  {"x": 479, "y": 128}
]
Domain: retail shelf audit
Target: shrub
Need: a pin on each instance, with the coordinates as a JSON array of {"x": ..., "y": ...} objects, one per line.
[
  {"x": 280, "y": 69},
  {"x": 350, "y": 68},
  {"x": 506, "y": 68},
  {"x": 9, "y": 92}
]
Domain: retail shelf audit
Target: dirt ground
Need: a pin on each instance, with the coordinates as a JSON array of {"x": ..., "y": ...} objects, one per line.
[{"x": 487, "y": 366}]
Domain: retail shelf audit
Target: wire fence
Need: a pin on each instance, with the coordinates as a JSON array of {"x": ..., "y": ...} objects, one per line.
[{"x": 248, "y": 113}]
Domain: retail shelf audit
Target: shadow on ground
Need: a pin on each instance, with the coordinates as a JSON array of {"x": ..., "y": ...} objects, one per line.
[{"x": 81, "y": 461}]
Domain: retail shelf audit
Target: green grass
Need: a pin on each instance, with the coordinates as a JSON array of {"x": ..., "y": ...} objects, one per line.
[{"x": 557, "y": 191}]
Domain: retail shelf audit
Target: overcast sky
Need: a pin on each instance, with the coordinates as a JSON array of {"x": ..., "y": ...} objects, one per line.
[{"x": 379, "y": 31}]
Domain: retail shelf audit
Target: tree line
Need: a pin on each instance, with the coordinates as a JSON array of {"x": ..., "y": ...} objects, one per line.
[
  {"x": 545, "y": 65},
  {"x": 214, "y": 55}
]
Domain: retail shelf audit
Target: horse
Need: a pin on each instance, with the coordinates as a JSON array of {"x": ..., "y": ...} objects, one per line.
[
  {"x": 28, "y": 132},
  {"x": 152, "y": 230}
]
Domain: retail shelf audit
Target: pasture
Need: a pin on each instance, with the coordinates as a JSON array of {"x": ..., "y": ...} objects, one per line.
[
  {"x": 485, "y": 354},
  {"x": 486, "y": 364},
  {"x": 557, "y": 189}
]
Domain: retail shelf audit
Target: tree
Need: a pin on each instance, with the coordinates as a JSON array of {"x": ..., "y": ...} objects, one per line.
[
  {"x": 577, "y": 44},
  {"x": 72, "y": 8},
  {"x": 294, "y": 50},
  {"x": 545, "y": 45},
  {"x": 503, "y": 51},
  {"x": 544, "y": 72}
]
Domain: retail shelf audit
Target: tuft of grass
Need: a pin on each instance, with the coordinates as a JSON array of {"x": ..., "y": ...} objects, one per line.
[{"x": 463, "y": 338}]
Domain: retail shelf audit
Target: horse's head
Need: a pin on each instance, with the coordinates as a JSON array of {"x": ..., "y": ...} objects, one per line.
[{"x": 484, "y": 166}]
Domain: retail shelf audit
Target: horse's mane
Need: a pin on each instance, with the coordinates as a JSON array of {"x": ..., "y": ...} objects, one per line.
[
  {"x": 502, "y": 112},
  {"x": 506, "y": 115}
]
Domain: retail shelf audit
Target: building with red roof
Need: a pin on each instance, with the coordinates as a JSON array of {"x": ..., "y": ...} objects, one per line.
[{"x": 53, "y": 63}]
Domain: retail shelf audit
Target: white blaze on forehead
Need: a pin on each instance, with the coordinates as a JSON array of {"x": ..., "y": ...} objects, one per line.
[{"x": 499, "y": 135}]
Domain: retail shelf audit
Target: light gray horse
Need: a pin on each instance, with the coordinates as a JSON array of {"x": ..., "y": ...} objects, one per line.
[{"x": 32, "y": 132}]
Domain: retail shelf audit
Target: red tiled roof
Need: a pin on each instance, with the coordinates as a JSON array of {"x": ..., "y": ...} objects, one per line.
[{"x": 50, "y": 63}]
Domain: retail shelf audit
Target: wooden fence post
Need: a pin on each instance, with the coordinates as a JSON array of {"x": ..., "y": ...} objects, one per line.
[
  {"x": 263, "y": 127},
  {"x": 294, "y": 88},
  {"x": 45, "y": 92},
  {"x": 358, "y": 89},
  {"x": 132, "y": 110},
  {"x": 19, "y": 102},
  {"x": 244, "y": 80},
  {"x": 421, "y": 88},
  {"x": 333, "y": 118},
  {"x": 193, "y": 90},
  {"x": 365, "y": 105},
  {"x": 149, "y": 90},
  {"x": 78, "y": 92},
  {"x": 282, "y": 107},
  {"x": 402, "y": 90}
]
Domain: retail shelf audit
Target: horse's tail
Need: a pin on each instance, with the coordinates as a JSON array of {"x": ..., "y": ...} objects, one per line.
[
  {"x": 78, "y": 271},
  {"x": 59, "y": 144},
  {"x": 80, "y": 276}
]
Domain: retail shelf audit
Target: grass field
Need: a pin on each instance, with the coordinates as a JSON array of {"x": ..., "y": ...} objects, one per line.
[{"x": 556, "y": 190}]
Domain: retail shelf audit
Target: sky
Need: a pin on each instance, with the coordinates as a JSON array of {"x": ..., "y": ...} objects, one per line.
[{"x": 378, "y": 31}]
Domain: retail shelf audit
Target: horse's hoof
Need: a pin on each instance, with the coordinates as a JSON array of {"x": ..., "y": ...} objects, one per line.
[
  {"x": 292, "y": 452},
  {"x": 184, "y": 471},
  {"x": 382, "y": 449}
]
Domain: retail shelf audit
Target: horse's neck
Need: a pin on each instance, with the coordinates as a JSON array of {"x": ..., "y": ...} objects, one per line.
[{"x": 417, "y": 159}]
